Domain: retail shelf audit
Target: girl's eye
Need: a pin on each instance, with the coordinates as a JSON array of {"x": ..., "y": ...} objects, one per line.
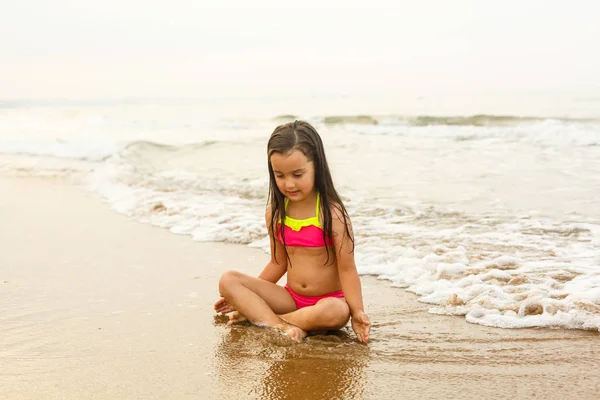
[
  {"x": 278, "y": 176},
  {"x": 297, "y": 175}
]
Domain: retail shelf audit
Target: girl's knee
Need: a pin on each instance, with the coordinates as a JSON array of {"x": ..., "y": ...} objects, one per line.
[
  {"x": 335, "y": 312},
  {"x": 228, "y": 279}
]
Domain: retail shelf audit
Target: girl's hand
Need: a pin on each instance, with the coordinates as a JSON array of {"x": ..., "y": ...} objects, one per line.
[
  {"x": 361, "y": 326},
  {"x": 223, "y": 307}
]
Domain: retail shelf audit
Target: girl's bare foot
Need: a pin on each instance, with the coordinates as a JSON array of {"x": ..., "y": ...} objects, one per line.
[
  {"x": 295, "y": 333},
  {"x": 235, "y": 318},
  {"x": 292, "y": 331}
]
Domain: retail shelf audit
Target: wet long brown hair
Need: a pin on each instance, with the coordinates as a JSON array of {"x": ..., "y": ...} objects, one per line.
[{"x": 302, "y": 136}]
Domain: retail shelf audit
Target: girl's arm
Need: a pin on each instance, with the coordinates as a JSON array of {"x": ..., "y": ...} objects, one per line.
[
  {"x": 277, "y": 266},
  {"x": 273, "y": 271},
  {"x": 348, "y": 274}
]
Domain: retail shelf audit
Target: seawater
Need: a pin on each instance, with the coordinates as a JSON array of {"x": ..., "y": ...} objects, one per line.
[{"x": 494, "y": 217}]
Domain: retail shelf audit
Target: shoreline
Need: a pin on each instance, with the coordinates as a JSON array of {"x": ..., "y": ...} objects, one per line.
[{"x": 96, "y": 305}]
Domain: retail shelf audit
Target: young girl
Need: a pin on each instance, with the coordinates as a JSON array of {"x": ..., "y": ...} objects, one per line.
[{"x": 311, "y": 239}]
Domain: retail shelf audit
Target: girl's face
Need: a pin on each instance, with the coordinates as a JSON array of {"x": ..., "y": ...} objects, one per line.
[{"x": 294, "y": 174}]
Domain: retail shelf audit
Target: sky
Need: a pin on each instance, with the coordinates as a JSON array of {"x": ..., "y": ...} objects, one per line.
[{"x": 184, "y": 48}]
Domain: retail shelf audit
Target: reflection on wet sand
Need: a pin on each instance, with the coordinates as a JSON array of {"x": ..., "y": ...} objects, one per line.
[{"x": 323, "y": 367}]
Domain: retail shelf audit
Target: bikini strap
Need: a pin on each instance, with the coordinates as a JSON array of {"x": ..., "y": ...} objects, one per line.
[{"x": 317, "y": 206}]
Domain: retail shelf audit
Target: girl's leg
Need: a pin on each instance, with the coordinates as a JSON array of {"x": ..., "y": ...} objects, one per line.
[
  {"x": 256, "y": 299},
  {"x": 329, "y": 313}
]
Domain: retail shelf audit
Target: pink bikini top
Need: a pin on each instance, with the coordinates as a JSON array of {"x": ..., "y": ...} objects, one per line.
[{"x": 304, "y": 232}]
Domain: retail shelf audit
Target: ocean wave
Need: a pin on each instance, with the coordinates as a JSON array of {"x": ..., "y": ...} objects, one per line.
[
  {"x": 459, "y": 120},
  {"x": 538, "y": 132},
  {"x": 94, "y": 151},
  {"x": 150, "y": 145},
  {"x": 472, "y": 120},
  {"x": 285, "y": 118},
  {"x": 350, "y": 119}
]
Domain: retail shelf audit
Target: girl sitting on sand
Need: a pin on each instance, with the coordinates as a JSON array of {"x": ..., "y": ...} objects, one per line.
[{"x": 315, "y": 246}]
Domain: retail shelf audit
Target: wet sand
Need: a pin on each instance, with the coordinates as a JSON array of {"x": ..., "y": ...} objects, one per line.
[{"x": 94, "y": 305}]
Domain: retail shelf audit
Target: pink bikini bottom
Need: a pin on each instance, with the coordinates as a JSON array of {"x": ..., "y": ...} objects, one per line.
[{"x": 305, "y": 301}]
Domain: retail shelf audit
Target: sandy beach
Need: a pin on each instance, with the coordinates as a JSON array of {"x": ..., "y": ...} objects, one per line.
[{"x": 94, "y": 305}]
